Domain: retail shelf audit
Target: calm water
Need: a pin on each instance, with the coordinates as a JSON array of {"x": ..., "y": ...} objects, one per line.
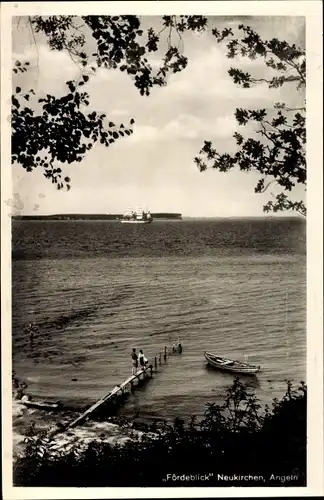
[{"x": 96, "y": 289}]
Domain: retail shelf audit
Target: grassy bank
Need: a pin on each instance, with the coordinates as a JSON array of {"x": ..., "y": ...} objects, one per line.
[{"x": 236, "y": 444}]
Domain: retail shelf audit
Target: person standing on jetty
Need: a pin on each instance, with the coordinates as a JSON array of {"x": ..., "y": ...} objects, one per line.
[
  {"x": 135, "y": 362},
  {"x": 142, "y": 359}
]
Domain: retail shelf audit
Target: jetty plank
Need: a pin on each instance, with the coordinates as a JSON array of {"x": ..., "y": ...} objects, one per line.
[
  {"x": 117, "y": 389},
  {"x": 107, "y": 397}
]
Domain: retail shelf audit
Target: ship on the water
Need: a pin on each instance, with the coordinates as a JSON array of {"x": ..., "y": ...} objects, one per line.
[{"x": 137, "y": 217}]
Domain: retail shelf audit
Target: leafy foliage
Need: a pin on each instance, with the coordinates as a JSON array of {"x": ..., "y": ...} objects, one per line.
[
  {"x": 233, "y": 438},
  {"x": 279, "y": 154},
  {"x": 64, "y": 132},
  {"x": 239, "y": 412}
]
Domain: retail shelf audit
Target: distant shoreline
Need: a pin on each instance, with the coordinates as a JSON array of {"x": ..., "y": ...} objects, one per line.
[
  {"x": 156, "y": 216},
  {"x": 110, "y": 217}
]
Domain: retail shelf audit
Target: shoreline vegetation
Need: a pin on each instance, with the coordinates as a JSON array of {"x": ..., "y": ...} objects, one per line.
[{"x": 235, "y": 444}]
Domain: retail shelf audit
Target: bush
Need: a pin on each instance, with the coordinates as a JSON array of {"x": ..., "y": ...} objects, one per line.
[{"x": 235, "y": 439}]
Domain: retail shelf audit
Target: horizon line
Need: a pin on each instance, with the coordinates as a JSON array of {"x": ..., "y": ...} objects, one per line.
[{"x": 263, "y": 216}]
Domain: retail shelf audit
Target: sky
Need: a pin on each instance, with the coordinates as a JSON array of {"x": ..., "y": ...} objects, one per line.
[{"x": 154, "y": 167}]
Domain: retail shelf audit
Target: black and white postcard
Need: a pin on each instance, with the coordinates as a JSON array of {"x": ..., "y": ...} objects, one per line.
[{"x": 161, "y": 258}]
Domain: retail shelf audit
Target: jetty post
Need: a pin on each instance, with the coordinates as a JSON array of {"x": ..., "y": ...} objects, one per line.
[{"x": 121, "y": 389}]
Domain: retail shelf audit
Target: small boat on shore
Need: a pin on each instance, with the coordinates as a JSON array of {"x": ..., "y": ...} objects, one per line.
[
  {"x": 42, "y": 405},
  {"x": 230, "y": 365}
]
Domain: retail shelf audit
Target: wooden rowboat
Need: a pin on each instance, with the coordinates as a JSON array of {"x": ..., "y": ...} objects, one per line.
[
  {"x": 230, "y": 365},
  {"x": 42, "y": 405}
]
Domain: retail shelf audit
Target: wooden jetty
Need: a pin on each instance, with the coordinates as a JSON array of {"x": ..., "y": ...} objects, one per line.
[
  {"x": 117, "y": 390},
  {"x": 122, "y": 388}
]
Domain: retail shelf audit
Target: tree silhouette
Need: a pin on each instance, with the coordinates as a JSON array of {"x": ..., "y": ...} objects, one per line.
[
  {"x": 62, "y": 131},
  {"x": 279, "y": 153}
]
